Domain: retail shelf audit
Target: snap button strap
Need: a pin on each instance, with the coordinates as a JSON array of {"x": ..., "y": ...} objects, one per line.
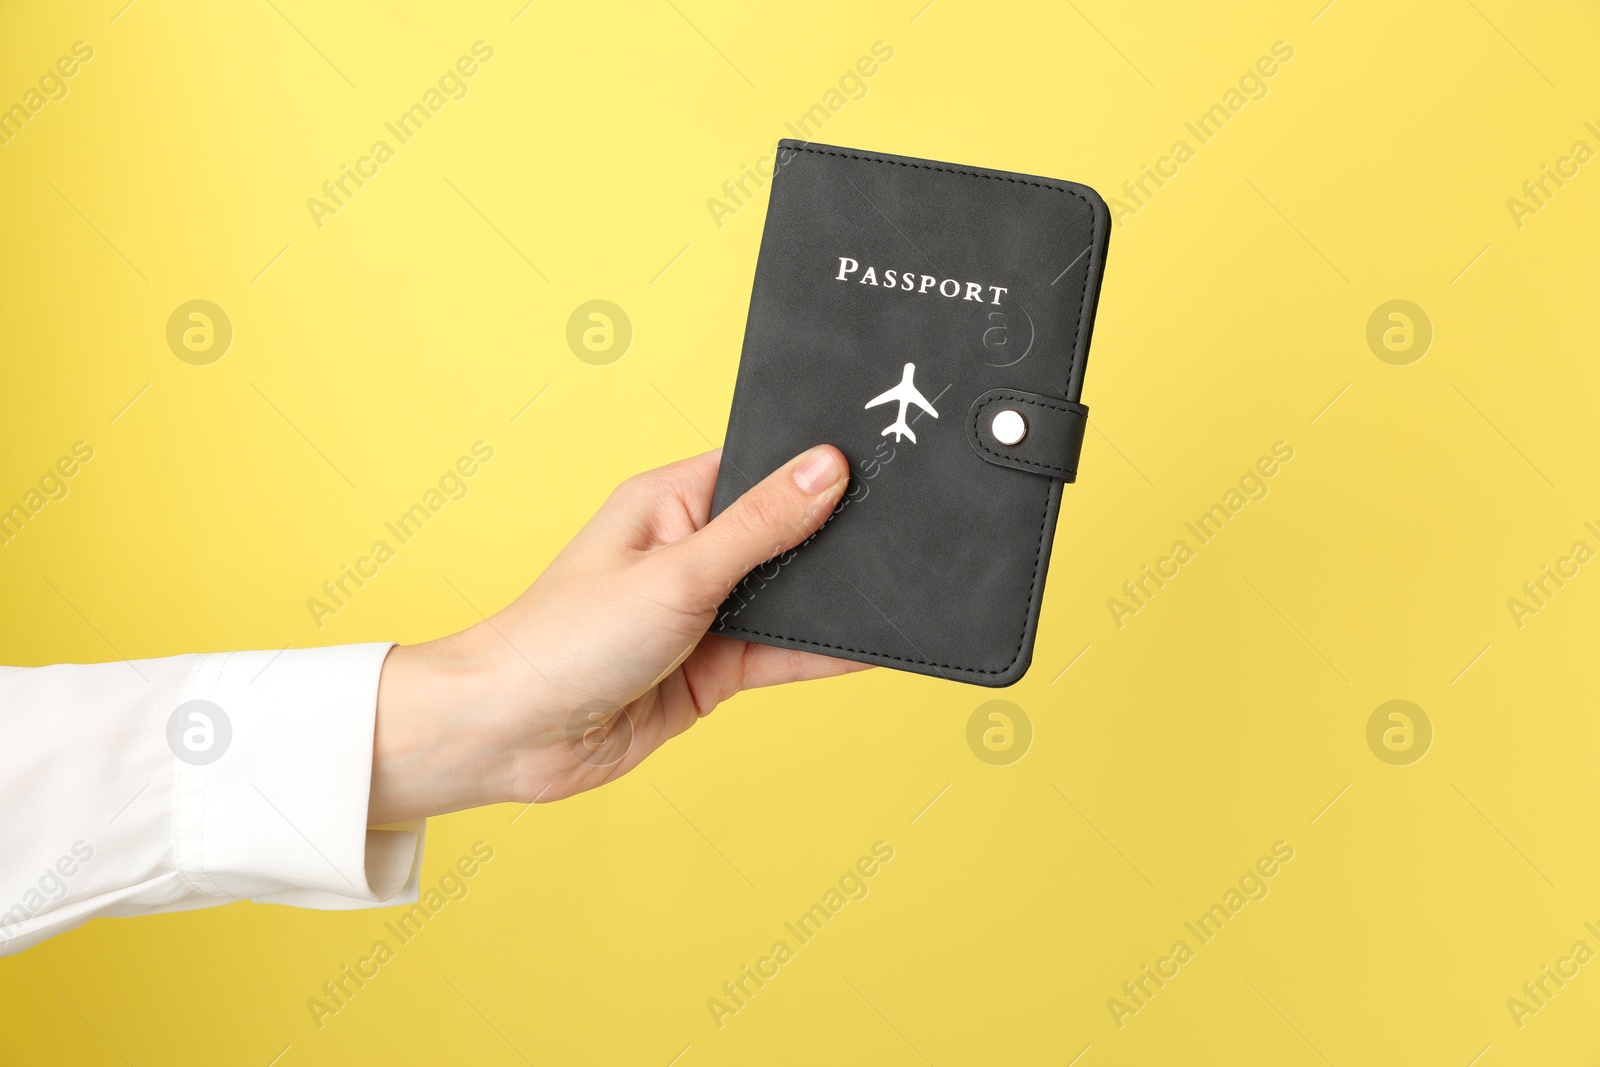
[{"x": 1045, "y": 433}]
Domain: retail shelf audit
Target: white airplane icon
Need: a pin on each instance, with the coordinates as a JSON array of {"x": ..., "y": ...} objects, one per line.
[{"x": 905, "y": 393}]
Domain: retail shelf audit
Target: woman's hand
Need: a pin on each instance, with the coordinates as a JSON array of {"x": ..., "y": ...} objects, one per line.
[{"x": 606, "y": 656}]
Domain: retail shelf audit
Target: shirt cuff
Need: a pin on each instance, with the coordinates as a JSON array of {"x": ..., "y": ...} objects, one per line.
[{"x": 273, "y": 777}]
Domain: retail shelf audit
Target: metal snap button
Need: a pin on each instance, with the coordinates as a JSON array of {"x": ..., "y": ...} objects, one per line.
[{"x": 1009, "y": 427}]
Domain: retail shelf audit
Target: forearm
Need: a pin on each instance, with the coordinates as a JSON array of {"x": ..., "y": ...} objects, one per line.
[{"x": 176, "y": 783}]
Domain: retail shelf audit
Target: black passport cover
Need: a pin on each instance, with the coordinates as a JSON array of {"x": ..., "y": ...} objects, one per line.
[{"x": 935, "y": 560}]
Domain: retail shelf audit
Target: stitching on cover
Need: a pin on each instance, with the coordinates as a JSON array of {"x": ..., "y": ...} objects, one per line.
[
  {"x": 945, "y": 169},
  {"x": 1044, "y": 521},
  {"x": 1033, "y": 464}
]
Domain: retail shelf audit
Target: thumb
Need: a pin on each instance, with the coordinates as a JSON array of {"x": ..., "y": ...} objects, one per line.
[{"x": 779, "y": 512}]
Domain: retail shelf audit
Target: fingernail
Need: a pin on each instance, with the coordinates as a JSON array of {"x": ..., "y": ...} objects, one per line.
[{"x": 817, "y": 471}]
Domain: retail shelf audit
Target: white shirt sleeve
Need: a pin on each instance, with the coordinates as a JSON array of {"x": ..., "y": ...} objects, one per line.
[{"x": 168, "y": 784}]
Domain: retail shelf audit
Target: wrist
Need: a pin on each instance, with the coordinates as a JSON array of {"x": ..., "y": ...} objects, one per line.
[{"x": 435, "y": 748}]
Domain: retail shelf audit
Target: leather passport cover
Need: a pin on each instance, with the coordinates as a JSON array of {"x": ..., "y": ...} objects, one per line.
[{"x": 919, "y": 316}]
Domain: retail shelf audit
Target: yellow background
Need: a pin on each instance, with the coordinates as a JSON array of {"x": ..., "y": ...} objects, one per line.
[{"x": 1223, "y": 717}]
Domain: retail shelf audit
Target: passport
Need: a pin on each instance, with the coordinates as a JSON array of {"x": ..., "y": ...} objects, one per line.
[{"x": 932, "y": 321}]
